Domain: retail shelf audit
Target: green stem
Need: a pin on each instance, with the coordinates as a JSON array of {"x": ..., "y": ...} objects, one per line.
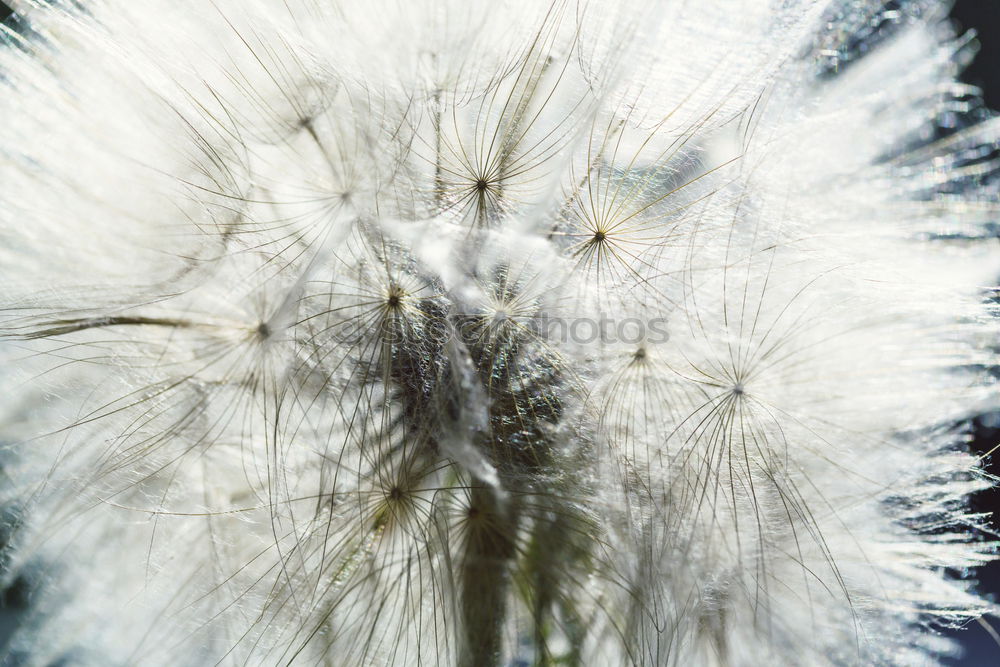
[{"x": 489, "y": 550}]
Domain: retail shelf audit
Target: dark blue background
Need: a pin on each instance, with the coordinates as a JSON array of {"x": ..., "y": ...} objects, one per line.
[{"x": 983, "y": 16}]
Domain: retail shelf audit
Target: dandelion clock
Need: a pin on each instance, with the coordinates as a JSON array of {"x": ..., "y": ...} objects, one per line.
[{"x": 489, "y": 334}]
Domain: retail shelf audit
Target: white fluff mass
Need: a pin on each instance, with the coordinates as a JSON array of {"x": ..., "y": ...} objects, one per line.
[{"x": 493, "y": 333}]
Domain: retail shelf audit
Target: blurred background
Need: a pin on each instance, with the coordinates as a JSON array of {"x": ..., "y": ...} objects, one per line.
[{"x": 981, "y": 643}]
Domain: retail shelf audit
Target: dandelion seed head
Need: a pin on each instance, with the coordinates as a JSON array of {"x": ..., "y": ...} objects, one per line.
[{"x": 421, "y": 332}]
